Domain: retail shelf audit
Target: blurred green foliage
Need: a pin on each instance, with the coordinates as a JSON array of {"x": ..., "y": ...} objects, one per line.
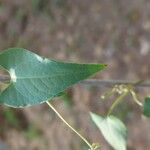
[
  {"x": 10, "y": 117},
  {"x": 32, "y": 132},
  {"x": 146, "y": 111},
  {"x": 67, "y": 99}
]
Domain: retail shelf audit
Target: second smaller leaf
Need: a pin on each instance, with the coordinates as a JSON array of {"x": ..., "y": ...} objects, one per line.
[{"x": 113, "y": 130}]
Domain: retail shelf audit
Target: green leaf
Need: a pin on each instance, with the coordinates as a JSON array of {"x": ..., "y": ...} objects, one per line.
[
  {"x": 35, "y": 80},
  {"x": 113, "y": 130},
  {"x": 146, "y": 111}
]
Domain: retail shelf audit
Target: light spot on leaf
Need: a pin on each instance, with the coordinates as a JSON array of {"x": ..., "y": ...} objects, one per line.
[
  {"x": 39, "y": 58},
  {"x": 13, "y": 75},
  {"x": 46, "y": 60}
]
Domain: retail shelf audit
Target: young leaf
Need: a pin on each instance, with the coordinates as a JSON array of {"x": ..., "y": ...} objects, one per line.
[
  {"x": 35, "y": 80},
  {"x": 146, "y": 111},
  {"x": 113, "y": 130}
]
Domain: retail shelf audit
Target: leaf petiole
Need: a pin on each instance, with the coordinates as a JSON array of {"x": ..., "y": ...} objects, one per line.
[
  {"x": 59, "y": 115},
  {"x": 117, "y": 101}
]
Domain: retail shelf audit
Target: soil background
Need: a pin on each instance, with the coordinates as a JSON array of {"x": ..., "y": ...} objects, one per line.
[{"x": 115, "y": 32}]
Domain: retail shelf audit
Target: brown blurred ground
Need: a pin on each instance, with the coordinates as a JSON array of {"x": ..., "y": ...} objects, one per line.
[{"x": 116, "y": 32}]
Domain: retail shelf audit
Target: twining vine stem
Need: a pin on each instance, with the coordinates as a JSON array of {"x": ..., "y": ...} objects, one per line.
[
  {"x": 94, "y": 82},
  {"x": 111, "y": 82},
  {"x": 59, "y": 115}
]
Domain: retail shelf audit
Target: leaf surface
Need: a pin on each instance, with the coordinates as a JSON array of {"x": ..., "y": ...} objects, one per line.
[
  {"x": 113, "y": 130},
  {"x": 35, "y": 80}
]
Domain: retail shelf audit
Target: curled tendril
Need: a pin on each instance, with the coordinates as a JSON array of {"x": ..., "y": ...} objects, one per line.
[{"x": 121, "y": 90}]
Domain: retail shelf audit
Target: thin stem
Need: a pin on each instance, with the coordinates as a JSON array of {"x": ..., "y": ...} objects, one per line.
[
  {"x": 95, "y": 82},
  {"x": 117, "y": 101},
  {"x": 59, "y": 115},
  {"x": 99, "y": 83}
]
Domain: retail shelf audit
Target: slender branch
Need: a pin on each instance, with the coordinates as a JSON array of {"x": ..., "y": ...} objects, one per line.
[{"x": 96, "y": 82}]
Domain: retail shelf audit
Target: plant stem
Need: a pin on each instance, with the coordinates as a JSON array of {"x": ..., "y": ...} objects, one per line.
[
  {"x": 59, "y": 115},
  {"x": 111, "y": 82},
  {"x": 117, "y": 101},
  {"x": 95, "y": 82}
]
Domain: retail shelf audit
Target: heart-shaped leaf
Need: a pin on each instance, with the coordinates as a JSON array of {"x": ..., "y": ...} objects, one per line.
[
  {"x": 146, "y": 111},
  {"x": 35, "y": 79},
  {"x": 113, "y": 130}
]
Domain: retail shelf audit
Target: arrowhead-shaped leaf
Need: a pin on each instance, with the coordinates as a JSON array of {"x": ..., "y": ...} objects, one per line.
[
  {"x": 113, "y": 130},
  {"x": 146, "y": 111},
  {"x": 35, "y": 79}
]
